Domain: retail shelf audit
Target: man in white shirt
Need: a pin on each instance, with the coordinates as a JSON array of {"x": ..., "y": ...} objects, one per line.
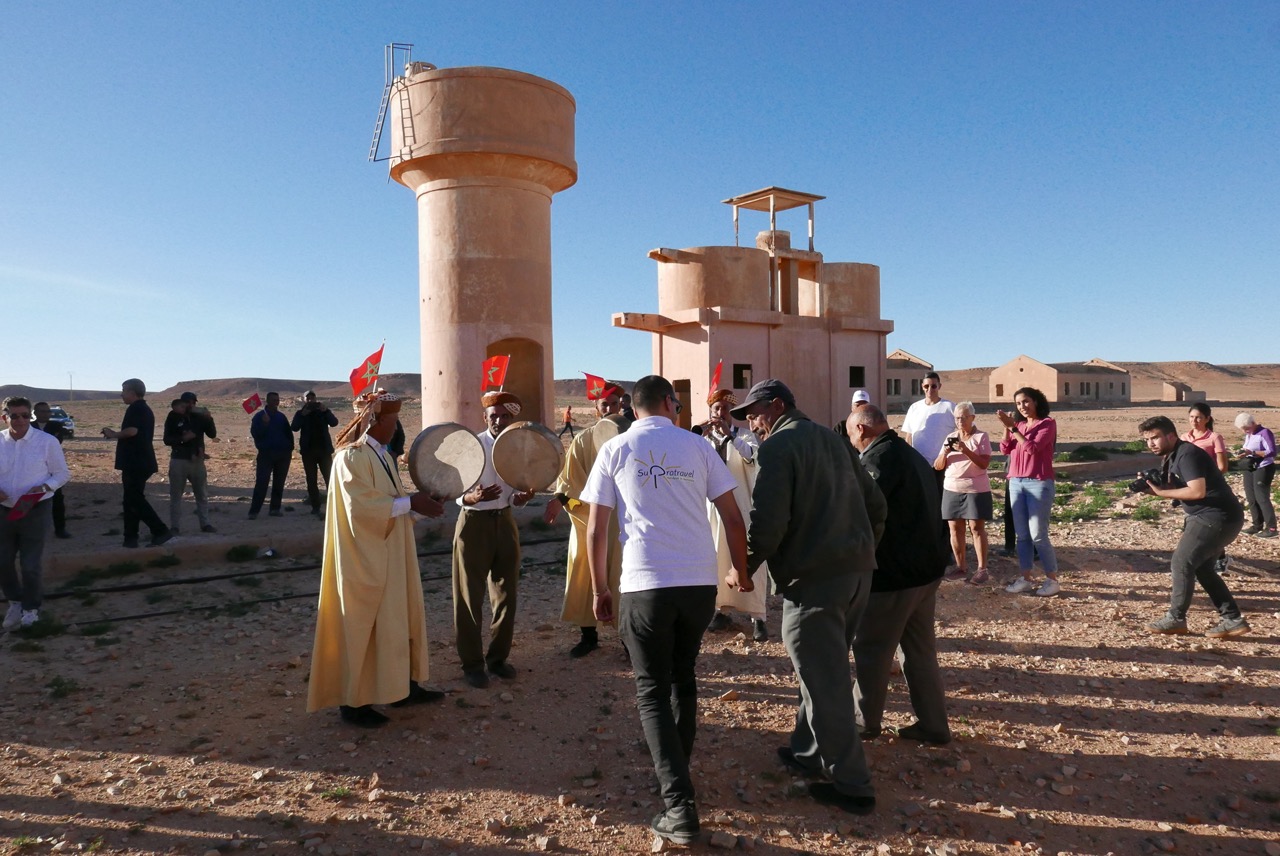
[
  {"x": 926, "y": 427},
  {"x": 658, "y": 478},
  {"x": 486, "y": 547},
  {"x": 32, "y": 467}
]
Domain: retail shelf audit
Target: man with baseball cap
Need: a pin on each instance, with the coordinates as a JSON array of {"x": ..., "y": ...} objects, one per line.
[
  {"x": 861, "y": 398},
  {"x": 816, "y": 518}
]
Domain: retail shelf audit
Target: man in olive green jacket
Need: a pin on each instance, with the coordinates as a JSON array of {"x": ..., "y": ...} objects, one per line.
[{"x": 816, "y": 517}]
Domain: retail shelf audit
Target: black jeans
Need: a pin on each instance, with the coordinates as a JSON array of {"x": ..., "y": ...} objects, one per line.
[
  {"x": 1193, "y": 560},
  {"x": 662, "y": 629},
  {"x": 316, "y": 464},
  {"x": 1257, "y": 495},
  {"x": 273, "y": 466},
  {"x": 136, "y": 507}
]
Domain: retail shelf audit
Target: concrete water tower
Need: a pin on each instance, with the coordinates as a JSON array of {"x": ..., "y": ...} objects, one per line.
[{"x": 483, "y": 150}]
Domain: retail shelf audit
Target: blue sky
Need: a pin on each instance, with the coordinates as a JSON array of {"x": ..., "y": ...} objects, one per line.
[{"x": 184, "y": 192}]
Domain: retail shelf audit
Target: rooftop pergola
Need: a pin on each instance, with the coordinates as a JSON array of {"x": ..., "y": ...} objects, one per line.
[{"x": 773, "y": 200}]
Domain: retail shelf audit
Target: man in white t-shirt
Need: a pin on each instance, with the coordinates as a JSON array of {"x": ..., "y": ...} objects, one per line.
[
  {"x": 658, "y": 478},
  {"x": 929, "y": 420}
]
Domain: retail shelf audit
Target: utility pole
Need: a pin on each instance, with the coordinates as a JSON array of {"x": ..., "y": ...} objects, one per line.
[{"x": 71, "y": 387}]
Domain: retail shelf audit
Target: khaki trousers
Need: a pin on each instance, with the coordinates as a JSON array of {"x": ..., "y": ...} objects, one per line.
[{"x": 486, "y": 549}]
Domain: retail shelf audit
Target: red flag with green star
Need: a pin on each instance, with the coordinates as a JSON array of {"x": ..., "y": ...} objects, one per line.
[
  {"x": 597, "y": 387},
  {"x": 365, "y": 375},
  {"x": 494, "y": 372}
]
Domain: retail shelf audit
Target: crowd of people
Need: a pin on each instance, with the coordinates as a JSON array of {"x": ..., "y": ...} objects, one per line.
[{"x": 673, "y": 532}]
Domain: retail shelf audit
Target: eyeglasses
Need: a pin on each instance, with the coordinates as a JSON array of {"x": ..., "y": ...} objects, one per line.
[{"x": 929, "y": 386}]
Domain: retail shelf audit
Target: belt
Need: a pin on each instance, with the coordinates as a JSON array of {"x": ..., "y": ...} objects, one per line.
[{"x": 492, "y": 512}]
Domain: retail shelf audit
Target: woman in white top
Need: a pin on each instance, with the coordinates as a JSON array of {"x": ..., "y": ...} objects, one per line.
[{"x": 966, "y": 491}]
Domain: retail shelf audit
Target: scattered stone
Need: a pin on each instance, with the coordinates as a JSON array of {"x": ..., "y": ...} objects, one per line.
[
  {"x": 1064, "y": 790},
  {"x": 729, "y": 695},
  {"x": 963, "y": 766},
  {"x": 348, "y": 747},
  {"x": 1164, "y": 845},
  {"x": 376, "y": 794},
  {"x": 723, "y": 840},
  {"x": 493, "y": 826},
  {"x": 1273, "y": 849},
  {"x": 545, "y": 842},
  {"x": 61, "y": 778},
  {"x": 567, "y": 800},
  {"x": 1164, "y": 827},
  {"x": 659, "y": 845},
  {"x": 508, "y": 698}
]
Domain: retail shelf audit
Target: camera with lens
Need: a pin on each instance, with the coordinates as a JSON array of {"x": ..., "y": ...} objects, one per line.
[
  {"x": 1151, "y": 476},
  {"x": 953, "y": 444}
]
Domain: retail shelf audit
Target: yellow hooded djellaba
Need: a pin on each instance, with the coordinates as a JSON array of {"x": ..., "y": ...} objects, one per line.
[
  {"x": 573, "y": 478},
  {"x": 371, "y": 631}
]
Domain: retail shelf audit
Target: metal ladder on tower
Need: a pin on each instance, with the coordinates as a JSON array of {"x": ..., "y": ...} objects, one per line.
[{"x": 392, "y": 82}]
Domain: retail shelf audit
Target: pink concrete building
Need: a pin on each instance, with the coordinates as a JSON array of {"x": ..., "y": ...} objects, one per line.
[
  {"x": 1073, "y": 383},
  {"x": 903, "y": 375},
  {"x": 771, "y": 310}
]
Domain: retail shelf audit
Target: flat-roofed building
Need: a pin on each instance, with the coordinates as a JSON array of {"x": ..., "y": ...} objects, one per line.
[
  {"x": 903, "y": 374},
  {"x": 1074, "y": 383}
]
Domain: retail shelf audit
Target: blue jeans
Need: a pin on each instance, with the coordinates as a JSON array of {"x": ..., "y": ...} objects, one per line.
[{"x": 1032, "y": 501}]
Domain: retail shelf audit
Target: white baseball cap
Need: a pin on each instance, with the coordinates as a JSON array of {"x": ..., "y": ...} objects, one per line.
[{"x": 861, "y": 396}]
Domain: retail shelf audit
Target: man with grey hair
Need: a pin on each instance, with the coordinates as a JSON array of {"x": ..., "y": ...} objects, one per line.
[
  {"x": 32, "y": 467},
  {"x": 136, "y": 461},
  {"x": 815, "y": 518},
  {"x": 904, "y": 587}
]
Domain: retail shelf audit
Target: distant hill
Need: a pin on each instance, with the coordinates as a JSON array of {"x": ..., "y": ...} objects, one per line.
[{"x": 56, "y": 396}]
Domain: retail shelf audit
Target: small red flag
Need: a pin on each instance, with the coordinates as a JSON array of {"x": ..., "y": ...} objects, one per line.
[
  {"x": 494, "y": 371},
  {"x": 597, "y": 387},
  {"x": 366, "y": 374},
  {"x": 715, "y": 378},
  {"x": 251, "y": 403}
]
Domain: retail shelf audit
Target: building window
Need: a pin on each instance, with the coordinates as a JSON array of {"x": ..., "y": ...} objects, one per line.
[
  {"x": 742, "y": 376},
  {"x": 1066, "y": 389},
  {"x": 1111, "y": 385},
  {"x": 915, "y": 386},
  {"x": 1122, "y": 387},
  {"x": 999, "y": 390},
  {"x": 893, "y": 387},
  {"x": 857, "y": 376}
]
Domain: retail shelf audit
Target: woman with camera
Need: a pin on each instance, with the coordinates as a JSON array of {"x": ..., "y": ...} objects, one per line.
[
  {"x": 1259, "y": 457},
  {"x": 1029, "y": 442},
  {"x": 966, "y": 491}
]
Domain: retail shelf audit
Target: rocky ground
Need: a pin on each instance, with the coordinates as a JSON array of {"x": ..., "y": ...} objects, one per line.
[{"x": 160, "y": 709}]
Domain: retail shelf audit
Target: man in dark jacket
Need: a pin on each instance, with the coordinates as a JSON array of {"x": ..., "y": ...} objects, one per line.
[
  {"x": 274, "y": 438},
  {"x": 312, "y": 422},
  {"x": 184, "y": 435},
  {"x": 815, "y": 518},
  {"x": 136, "y": 461},
  {"x": 909, "y": 567}
]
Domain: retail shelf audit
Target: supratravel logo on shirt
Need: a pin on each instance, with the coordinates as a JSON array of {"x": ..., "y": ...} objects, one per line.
[{"x": 660, "y": 472}]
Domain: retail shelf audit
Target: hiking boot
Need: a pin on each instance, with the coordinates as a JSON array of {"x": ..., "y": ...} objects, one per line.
[
  {"x": 721, "y": 621},
  {"x": 678, "y": 825},
  {"x": 1169, "y": 626},
  {"x": 1048, "y": 588},
  {"x": 1021, "y": 585},
  {"x": 1224, "y": 628}
]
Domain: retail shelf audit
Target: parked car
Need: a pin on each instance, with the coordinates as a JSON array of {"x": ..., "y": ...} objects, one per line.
[{"x": 65, "y": 422}]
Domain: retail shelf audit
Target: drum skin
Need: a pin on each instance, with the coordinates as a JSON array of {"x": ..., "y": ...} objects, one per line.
[
  {"x": 528, "y": 456},
  {"x": 446, "y": 460}
]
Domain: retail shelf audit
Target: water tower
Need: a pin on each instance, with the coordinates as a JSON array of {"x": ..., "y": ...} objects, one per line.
[{"x": 483, "y": 150}]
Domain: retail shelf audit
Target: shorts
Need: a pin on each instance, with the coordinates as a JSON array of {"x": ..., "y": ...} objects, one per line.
[{"x": 966, "y": 506}]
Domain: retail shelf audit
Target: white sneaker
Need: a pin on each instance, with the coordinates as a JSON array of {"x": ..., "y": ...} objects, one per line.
[
  {"x": 14, "y": 616},
  {"x": 1021, "y": 585},
  {"x": 30, "y": 617},
  {"x": 1048, "y": 588}
]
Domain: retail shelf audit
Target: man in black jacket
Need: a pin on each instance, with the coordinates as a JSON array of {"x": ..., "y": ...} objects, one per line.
[
  {"x": 312, "y": 422},
  {"x": 184, "y": 435},
  {"x": 910, "y": 563}
]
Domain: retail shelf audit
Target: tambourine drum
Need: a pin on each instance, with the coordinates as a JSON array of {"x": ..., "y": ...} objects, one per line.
[
  {"x": 528, "y": 456},
  {"x": 446, "y": 460},
  {"x": 607, "y": 428}
]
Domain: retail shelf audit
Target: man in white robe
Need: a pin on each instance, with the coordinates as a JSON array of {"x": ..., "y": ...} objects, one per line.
[{"x": 371, "y": 631}]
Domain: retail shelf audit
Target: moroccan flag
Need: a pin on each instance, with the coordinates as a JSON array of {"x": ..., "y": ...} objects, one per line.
[
  {"x": 597, "y": 387},
  {"x": 365, "y": 375},
  {"x": 715, "y": 378},
  {"x": 252, "y": 403},
  {"x": 494, "y": 372}
]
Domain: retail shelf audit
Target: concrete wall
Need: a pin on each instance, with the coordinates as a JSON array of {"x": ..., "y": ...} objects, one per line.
[
  {"x": 714, "y": 276},
  {"x": 1017, "y": 373}
]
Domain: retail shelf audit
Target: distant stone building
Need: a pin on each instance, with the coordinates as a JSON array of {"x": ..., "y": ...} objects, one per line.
[
  {"x": 1068, "y": 383},
  {"x": 1179, "y": 391},
  {"x": 903, "y": 373},
  {"x": 771, "y": 310}
]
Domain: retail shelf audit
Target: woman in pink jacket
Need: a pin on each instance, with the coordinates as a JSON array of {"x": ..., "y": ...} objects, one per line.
[{"x": 1029, "y": 442}]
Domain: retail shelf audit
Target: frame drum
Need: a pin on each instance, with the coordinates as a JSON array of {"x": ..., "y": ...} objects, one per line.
[
  {"x": 528, "y": 456},
  {"x": 446, "y": 460}
]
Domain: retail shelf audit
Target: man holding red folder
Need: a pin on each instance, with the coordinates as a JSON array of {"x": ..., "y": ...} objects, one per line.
[{"x": 32, "y": 467}]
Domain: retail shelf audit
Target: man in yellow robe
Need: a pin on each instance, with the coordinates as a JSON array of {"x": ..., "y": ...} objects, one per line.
[
  {"x": 371, "y": 631},
  {"x": 568, "y": 489}
]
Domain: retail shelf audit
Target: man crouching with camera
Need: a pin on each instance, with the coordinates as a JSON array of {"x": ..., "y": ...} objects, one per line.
[{"x": 1214, "y": 517}]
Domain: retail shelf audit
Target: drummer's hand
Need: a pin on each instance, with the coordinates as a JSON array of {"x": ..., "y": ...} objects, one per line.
[
  {"x": 426, "y": 505},
  {"x": 602, "y": 606},
  {"x": 522, "y": 497},
  {"x": 740, "y": 581},
  {"x": 482, "y": 493},
  {"x": 551, "y": 512}
]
